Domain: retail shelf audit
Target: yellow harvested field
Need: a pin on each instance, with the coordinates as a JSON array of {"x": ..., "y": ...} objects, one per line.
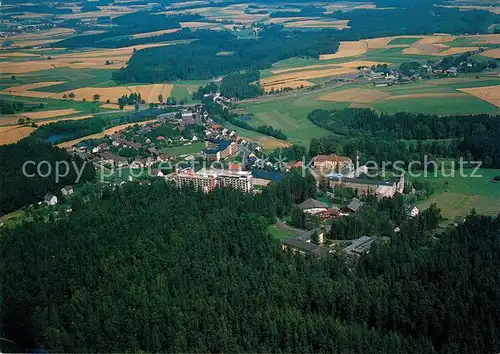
[
  {"x": 347, "y": 6},
  {"x": 425, "y": 49},
  {"x": 290, "y": 84},
  {"x": 10, "y": 135},
  {"x": 270, "y": 143},
  {"x": 109, "y": 131},
  {"x": 484, "y": 39},
  {"x": 489, "y": 94},
  {"x": 358, "y": 63},
  {"x": 341, "y": 24},
  {"x": 433, "y": 45},
  {"x": 195, "y": 24},
  {"x": 275, "y": 20},
  {"x": 188, "y": 3},
  {"x": 96, "y": 14},
  {"x": 456, "y": 50},
  {"x": 114, "y": 106},
  {"x": 355, "y": 95},
  {"x": 45, "y": 122},
  {"x": 10, "y": 119},
  {"x": 442, "y": 38},
  {"x": 493, "y": 9},
  {"x": 28, "y": 15},
  {"x": 305, "y": 75},
  {"x": 25, "y": 90},
  {"x": 34, "y": 43},
  {"x": 492, "y": 53},
  {"x": 347, "y": 49},
  {"x": 55, "y": 32},
  {"x": 349, "y": 64},
  {"x": 425, "y": 95},
  {"x": 17, "y": 54},
  {"x": 154, "y": 34},
  {"x": 91, "y": 59},
  {"x": 50, "y": 114},
  {"x": 149, "y": 93}
]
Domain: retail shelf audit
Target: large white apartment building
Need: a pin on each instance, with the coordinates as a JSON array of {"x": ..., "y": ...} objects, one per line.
[{"x": 209, "y": 179}]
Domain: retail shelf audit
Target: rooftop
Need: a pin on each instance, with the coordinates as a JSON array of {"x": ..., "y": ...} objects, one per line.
[
  {"x": 361, "y": 244},
  {"x": 312, "y": 204},
  {"x": 333, "y": 157},
  {"x": 298, "y": 244},
  {"x": 269, "y": 175},
  {"x": 354, "y": 204},
  {"x": 374, "y": 182}
]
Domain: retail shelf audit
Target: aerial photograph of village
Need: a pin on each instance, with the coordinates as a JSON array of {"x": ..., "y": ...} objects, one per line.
[{"x": 204, "y": 176}]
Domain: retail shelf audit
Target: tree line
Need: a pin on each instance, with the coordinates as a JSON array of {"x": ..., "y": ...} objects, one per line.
[{"x": 392, "y": 136}]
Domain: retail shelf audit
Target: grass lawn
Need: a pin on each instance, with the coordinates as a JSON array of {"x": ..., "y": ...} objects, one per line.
[
  {"x": 277, "y": 233},
  {"x": 290, "y": 115},
  {"x": 184, "y": 150},
  {"x": 458, "y": 195},
  {"x": 409, "y": 41},
  {"x": 267, "y": 142}
]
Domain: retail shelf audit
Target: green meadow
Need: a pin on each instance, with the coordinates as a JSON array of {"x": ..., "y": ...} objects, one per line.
[
  {"x": 184, "y": 149},
  {"x": 402, "y": 40},
  {"x": 458, "y": 195}
]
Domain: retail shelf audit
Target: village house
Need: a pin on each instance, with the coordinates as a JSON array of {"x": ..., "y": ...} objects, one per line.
[
  {"x": 458, "y": 220},
  {"x": 112, "y": 159},
  {"x": 354, "y": 205},
  {"x": 412, "y": 210},
  {"x": 50, "y": 199},
  {"x": 68, "y": 190}
]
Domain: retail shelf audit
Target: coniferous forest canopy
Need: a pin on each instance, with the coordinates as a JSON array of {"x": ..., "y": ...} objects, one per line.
[
  {"x": 157, "y": 268},
  {"x": 17, "y": 190}
]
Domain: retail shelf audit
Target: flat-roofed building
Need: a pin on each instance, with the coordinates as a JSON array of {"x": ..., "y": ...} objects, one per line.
[
  {"x": 209, "y": 179},
  {"x": 215, "y": 150}
]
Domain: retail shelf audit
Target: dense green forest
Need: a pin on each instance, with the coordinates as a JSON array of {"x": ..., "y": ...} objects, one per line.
[
  {"x": 125, "y": 274},
  {"x": 241, "y": 85},
  {"x": 17, "y": 190},
  {"x": 392, "y": 136},
  {"x": 200, "y": 59}
]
